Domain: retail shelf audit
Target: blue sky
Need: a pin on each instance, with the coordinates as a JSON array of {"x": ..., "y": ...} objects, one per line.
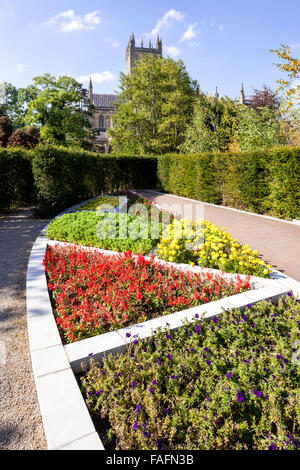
[{"x": 222, "y": 42}]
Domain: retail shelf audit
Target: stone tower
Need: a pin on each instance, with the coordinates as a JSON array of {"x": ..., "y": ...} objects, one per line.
[
  {"x": 242, "y": 95},
  {"x": 133, "y": 52}
]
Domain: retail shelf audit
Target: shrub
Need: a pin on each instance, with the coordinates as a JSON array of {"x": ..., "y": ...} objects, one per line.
[
  {"x": 94, "y": 292},
  {"x": 227, "y": 384},
  {"x": 64, "y": 177},
  {"x": 16, "y": 182},
  {"x": 206, "y": 245}
]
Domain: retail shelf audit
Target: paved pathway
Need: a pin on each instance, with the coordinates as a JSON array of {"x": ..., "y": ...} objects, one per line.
[
  {"x": 20, "y": 421},
  {"x": 277, "y": 242}
]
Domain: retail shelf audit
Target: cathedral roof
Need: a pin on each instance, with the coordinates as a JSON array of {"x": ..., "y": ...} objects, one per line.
[{"x": 104, "y": 101}]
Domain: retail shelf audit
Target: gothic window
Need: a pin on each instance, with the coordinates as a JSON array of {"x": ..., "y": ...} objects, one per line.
[{"x": 101, "y": 122}]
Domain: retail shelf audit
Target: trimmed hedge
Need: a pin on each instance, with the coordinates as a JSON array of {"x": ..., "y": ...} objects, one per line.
[
  {"x": 16, "y": 179},
  {"x": 262, "y": 181},
  {"x": 64, "y": 177}
]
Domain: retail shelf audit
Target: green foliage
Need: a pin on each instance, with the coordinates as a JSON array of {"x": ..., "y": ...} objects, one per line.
[
  {"x": 16, "y": 182},
  {"x": 64, "y": 177},
  {"x": 101, "y": 203},
  {"x": 117, "y": 232},
  {"x": 258, "y": 130},
  {"x": 60, "y": 107},
  {"x": 224, "y": 384},
  {"x": 153, "y": 107},
  {"x": 212, "y": 127},
  {"x": 263, "y": 181}
]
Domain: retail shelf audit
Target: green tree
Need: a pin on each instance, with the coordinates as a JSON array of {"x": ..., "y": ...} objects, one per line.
[
  {"x": 153, "y": 108},
  {"x": 212, "y": 127},
  {"x": 258, "y": 129},
  {"x": 59, "y": 107},
  {"x": 289, "y": 87}
]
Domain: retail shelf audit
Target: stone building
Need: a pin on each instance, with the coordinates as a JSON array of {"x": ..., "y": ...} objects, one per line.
[
  {"x": 133, "y": 52},
  {"x": 104, "y": 104}
]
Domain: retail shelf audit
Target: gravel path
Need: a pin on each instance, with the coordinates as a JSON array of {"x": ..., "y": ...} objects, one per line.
[{"x": 21, "y": 425}]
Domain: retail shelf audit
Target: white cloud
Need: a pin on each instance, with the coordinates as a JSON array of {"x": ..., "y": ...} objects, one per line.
[
  {"x": 112, "y": 42},
  {"x": 295, "y": 46},
  {"x": 172, "y": 51},
  {"x": 221, "y": 27},
  {"x": 212, "y": 24},
  {"x": 190, "y": 33},
  {"x": 22, "y": 67},
  {"x": 68, "y": 21},
  {"x": 166, "y": 20},
  {"x": 105, "y": 76}
]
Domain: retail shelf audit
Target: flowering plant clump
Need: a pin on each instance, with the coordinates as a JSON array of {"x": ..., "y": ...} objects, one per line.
[
  {"x": 101, "y": 203},
  {"x": 118, "y": 232},
  {"x": 93, "y": 293},
  {"x": 230, "y": 383},
  {"x": 206, "y": 245}
]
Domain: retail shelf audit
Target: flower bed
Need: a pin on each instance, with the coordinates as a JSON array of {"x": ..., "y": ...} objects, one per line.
[
  {"x": 93, "y": 293},
  {"x": 117, "y": 232},
  {"x": 204, "y": 244},
  {"x": 225, "y": 384},
  {"x": 101, "y": 203}
]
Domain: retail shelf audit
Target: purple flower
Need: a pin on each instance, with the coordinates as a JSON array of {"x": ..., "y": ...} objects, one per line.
[
  {"x": 146, "y": 434},
  {"x": 154, "y": 382},
  {"x": 198, "y": 328},
  {"x": 138, "y": 408},
  {"x": 133, "y": 384},
  {"x": 229, "y": 375},
  {"x": 215, "y": 319},
  {"x": 91, "y": 354},
  {"x": 196, "y": 316},
  {"x": 160, "y": 445},
  {"x": 169, "y": 356},
  {"x": 99, "y": 392},
  {"x": 152, "y": 390},
  {"x": 167, "y": 411},
  {"x": 169, "y": 336},
  {"x": 244, "y": 317},
  {"x": 128, "y": 335},
  {"x": 173, "y": 376},
  {"x": 258, "y": 393},
  {"x": 209, "y": 363},
  {"x": 248, "y": 306},
  {"x": 239, "y": 397},
  {"x": 135, "y": 425},
  {"x": 272, "y": 447}
]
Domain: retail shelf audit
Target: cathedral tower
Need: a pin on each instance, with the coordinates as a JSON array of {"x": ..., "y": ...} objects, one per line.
[{"x": 133, "y": 52}]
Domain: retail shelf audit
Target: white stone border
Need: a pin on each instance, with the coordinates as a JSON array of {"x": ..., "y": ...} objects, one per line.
[{"x": 67, "y": 422}]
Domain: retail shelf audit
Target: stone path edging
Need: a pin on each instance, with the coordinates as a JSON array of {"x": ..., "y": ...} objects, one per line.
[{"x": 66, "y": 419}]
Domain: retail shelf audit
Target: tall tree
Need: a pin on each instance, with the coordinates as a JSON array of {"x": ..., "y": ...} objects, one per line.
[
  {"x": 6, "y": 129},
  {"x": 265, "y": 98},
  {"x": 212, "y": 127},
  {"x": 59, "y": 107},
  {"x": 153, "y": 108}
]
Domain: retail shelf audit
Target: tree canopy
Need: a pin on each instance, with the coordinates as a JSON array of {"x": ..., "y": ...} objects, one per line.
[
  {"x": 154, "y": 107},
  {"x": 59, "y": 108}
]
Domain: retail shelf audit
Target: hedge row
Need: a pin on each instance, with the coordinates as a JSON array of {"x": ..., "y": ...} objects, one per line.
[
  {"x": 263, "y": 181},
  {"x": 16, "y": 179},
  {"x": 64, "y": 177}
]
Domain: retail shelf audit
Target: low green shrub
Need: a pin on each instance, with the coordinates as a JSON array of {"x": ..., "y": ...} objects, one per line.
[
  {"x": 228, "y": 383},
  {"x": 109, "y": 231}
]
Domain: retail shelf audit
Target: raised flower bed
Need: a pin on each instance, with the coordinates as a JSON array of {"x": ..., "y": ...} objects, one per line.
[
  {"x": 94, "y": 293},
  {"x": 225, "y": 384}
]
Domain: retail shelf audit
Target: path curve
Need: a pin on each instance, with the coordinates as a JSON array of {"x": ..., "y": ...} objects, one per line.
[
  {"x": 21, "y": 425},
  {"x": 278, "y": 242}
]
